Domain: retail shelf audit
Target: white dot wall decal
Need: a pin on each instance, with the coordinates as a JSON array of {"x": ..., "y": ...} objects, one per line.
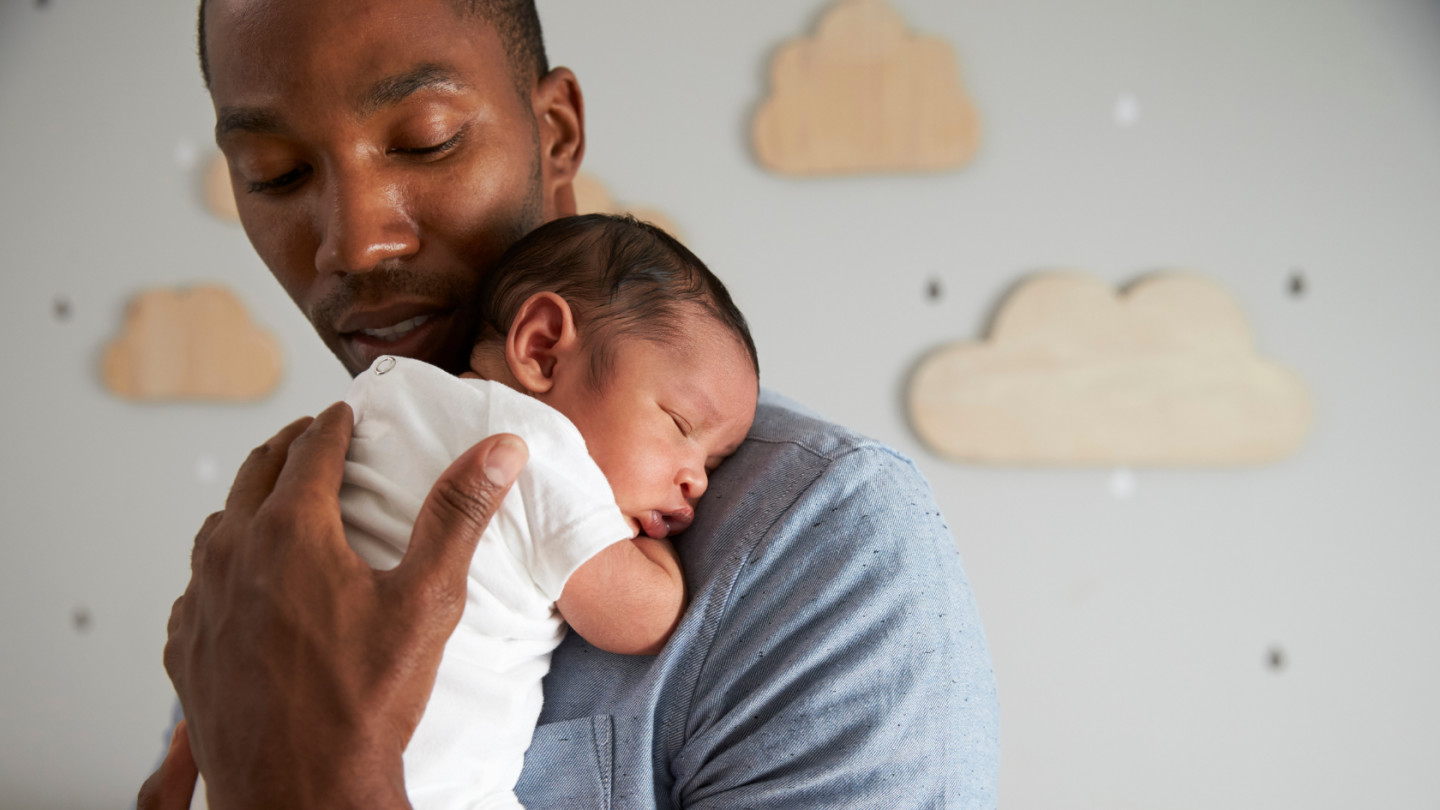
[
  {"x": 186, "y": 154},
  {"x": 1127, "y": 110},
  {"x": 206, "y": 470},
  {"x": 1122, "y": 484}
]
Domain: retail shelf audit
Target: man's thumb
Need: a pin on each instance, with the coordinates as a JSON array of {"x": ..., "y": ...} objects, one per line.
[
  {"x": 459, "y": 508},
  {"x": 172, "y": 786}
]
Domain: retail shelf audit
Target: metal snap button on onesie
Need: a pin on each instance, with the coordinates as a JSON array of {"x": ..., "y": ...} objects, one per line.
[{"x": 384, "y": 364}]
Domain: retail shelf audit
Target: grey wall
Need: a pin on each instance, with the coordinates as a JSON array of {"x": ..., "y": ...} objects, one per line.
[{"x": 1132, "y": 634}]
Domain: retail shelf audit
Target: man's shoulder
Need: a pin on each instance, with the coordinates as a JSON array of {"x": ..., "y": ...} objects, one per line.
[
  {"x": 791, "y": 446},
  {"x": 781, "y": 420},
  {"x": 800, "y": 479},
  {"x": 828, "y": 603}
]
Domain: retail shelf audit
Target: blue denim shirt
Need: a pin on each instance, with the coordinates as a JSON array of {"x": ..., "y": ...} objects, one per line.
[{"x": 831, "y": 655}]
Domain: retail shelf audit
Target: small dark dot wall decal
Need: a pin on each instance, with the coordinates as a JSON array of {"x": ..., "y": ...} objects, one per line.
[
  {"x": 932, "y": 289},
  {"x": 1297, "y": 284},
  {"x": 81, "y": 619},
  {"x": 42, "y": 3},
  {"x": 1275, "y": 659},
  {"x": 62, "y": 308}
]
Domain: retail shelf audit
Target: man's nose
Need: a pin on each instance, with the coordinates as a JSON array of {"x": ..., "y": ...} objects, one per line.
[{"x": 363, "y": 221}]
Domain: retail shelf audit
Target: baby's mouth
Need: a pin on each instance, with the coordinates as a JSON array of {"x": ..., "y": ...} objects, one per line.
[
  {"x": 653, "y": 525},
  {"x": 677, "y": 522},
  {"x": 659, "y": 525}
]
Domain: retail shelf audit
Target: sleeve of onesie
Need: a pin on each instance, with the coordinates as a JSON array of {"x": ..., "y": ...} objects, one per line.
[{"x": 569, "y": 505}]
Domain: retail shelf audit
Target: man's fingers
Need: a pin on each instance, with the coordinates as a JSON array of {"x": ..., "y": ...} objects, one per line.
[
  {"x": 198, "y": 548},
  {"x": 256, "y": 478},
  {"x": 316, "y": 461},
  {"x": 177, "y": 637},
  {"x": 457, "y": 511},
  {"x": 173, "y": 784}
]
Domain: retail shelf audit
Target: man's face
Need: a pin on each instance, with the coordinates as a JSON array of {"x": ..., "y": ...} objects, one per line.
[{"x": 382, "y": 159}]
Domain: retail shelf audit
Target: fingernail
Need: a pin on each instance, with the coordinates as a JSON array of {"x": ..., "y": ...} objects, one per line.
[{"x": 505, "y": 461}]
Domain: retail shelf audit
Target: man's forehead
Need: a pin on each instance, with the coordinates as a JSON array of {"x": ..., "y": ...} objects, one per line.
[
  {"x": 350, "y": 29},
  {"x": 256, "y": 11},
  {"x": 370, "y": 53}
]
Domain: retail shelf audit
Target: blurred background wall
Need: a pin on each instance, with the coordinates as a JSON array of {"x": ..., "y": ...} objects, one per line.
[{"x": 1257, "y": 638}]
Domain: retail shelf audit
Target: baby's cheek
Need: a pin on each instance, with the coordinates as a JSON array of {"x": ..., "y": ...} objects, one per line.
[
  {"x": 636, "y": 484},
  {"x": 615, "y": 472}
]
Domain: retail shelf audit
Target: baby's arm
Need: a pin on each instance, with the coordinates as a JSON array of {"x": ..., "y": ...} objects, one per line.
[{"x": 628, "y": 598}]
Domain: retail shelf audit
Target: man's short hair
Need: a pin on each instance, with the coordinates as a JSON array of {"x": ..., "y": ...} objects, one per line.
[
  {"x": 620, "y": 276},
  {"x": 516, "y": 21}
]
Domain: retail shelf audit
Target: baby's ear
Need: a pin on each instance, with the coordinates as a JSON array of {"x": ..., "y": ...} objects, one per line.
[{"x": 542, "y": 339}]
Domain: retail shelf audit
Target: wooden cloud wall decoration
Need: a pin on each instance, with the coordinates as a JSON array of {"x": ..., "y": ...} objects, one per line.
[
  {"x": 191, "y": 344},
  {"x": 219, "y": 194},
  {"x": 865, "y": 95},
  {"x": 1075, "y": 373}
]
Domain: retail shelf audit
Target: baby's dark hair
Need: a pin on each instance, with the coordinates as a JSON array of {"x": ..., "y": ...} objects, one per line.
[{"x": 620, "y": 276}]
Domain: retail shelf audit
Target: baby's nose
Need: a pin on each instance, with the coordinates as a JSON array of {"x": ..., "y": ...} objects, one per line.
[{"x": 693, "y": 484}]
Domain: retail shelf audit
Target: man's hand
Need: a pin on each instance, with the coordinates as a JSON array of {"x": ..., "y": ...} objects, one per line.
[
  {"x": 302, "y": 672},
  {"x": 172, "y": 786}
]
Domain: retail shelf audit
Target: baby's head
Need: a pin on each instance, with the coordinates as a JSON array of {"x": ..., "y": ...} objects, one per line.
[{"x": 624, "y": 331}]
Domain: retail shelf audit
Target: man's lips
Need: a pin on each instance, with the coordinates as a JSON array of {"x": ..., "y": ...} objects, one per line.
[
  {"x": 408, "y": 331},
  {"x": 387, "y": 318},
  {"x": 398, "y": 330}
]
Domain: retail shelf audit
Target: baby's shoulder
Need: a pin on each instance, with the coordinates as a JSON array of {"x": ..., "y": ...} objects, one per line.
[
  {"x": 550, "y": 435},
  {"x": 405, "y": 386}
]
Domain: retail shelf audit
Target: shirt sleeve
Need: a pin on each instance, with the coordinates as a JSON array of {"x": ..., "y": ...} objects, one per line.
[{"x": 850, "y": 669}]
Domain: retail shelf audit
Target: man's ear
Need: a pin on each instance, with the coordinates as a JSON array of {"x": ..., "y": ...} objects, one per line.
[
  {"x": 542, "y": 338},
  {"x": 560, "y": 116}
]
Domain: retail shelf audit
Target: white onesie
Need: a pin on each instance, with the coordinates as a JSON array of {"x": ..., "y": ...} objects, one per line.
[{"x": 411, "y": 420}]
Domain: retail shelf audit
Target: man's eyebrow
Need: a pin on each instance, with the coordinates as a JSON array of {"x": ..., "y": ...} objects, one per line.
[
  {"x": 387, "y": 92},
  {"x": 245, "y": 119},
  {"x": 392, "y": 90}
]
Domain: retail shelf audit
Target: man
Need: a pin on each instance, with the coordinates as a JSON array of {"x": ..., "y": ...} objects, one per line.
[{"x": 385, "y": 152}]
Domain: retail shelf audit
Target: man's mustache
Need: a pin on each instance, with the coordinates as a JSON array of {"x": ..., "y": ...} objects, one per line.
[{"x": 380, "y": 285}]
